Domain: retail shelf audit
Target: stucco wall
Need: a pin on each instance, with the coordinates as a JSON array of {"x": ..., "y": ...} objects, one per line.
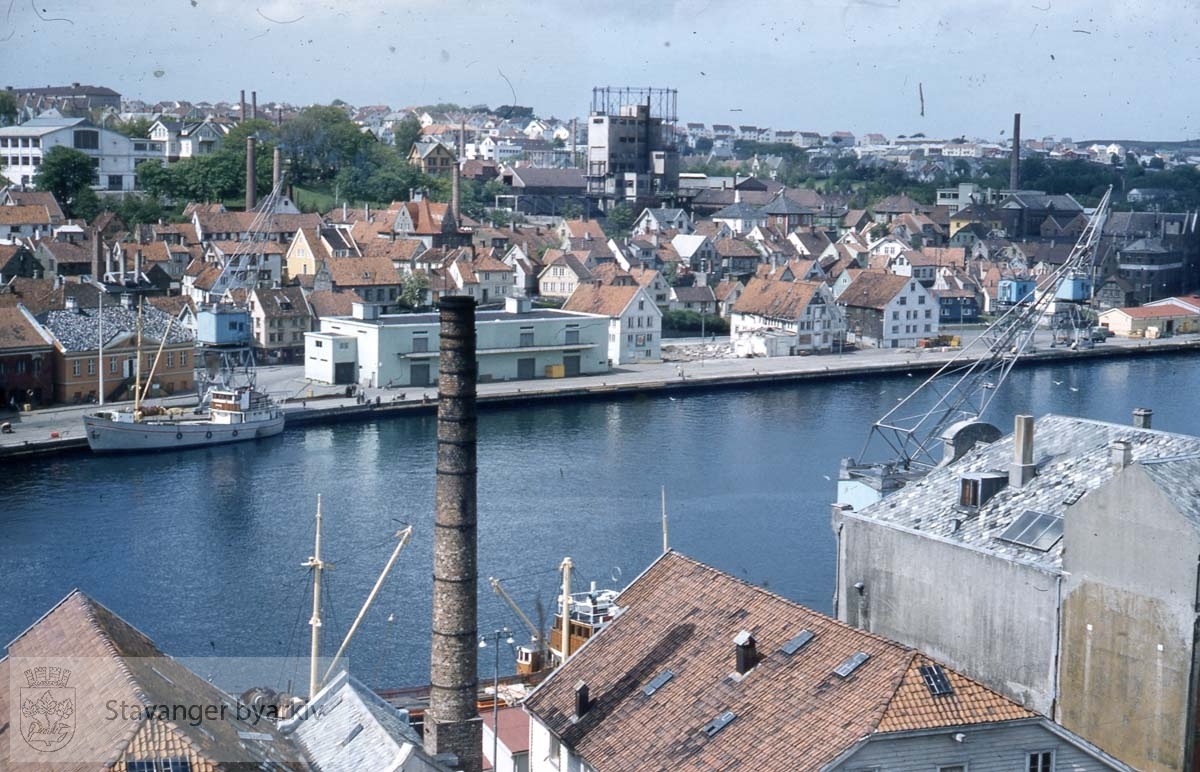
[
  {"x": 992, "y": 748},
  {"x": 989, "y": 618},
  {"x": 1128, "y": 621}
]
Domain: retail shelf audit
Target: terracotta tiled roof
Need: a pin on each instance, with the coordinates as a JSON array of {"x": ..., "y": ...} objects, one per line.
[
  {"x": 66, "y": 253},
  {"x": 27, "y": 214},
  {"x": 41, "y": 295},
  {"x": 577, "y": 229},
  {"x": 172, "y": 304},
  {"x": 1156, "y": 312},
  {"x": 113, "y": 661},
  {"x": 727, "y": 288},
  {"x": 872, "y": 289},
  {"x": 735, "y": 248},
  {"x": 489, "y": 263},
  {"x": 396, "y": 250},
  {"x": 776, "y": 299},
  {"x": 611, "y": 273},
  {"x": 606, "y": 301},
  {"x": 37, "y": 197},
  {"x": 18, "y": 331},
  {"x": 362, "y": 271},
  {"x": 326, "y": 303},
  {"x": 791, "y": 710}
]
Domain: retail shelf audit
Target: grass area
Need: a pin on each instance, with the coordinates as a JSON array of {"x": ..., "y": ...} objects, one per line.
[{"x": 313, "y": 199}]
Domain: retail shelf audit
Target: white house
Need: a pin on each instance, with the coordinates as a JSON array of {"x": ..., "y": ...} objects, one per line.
[
  {"x": 635, "y": 321},
  {"x": 397, "y": 350},
  {"x": 784, "y": 318},
  {"x": 889, "y": 311},
  {"x": 114, "y": 155}
]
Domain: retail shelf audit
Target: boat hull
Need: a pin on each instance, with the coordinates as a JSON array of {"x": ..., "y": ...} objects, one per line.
[{"x": 107, "y": 436}]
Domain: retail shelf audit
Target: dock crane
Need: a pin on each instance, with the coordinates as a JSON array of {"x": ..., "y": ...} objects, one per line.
[
  {"x": 920, "y": 436},
  {"x": 534, "y": 657}
]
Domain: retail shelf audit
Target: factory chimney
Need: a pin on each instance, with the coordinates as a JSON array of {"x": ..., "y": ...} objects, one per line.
[
  {"x": 452, "y": 723},
  {"x": 97, "y": 276},
  {"x": 1014, "y": 164},
  {"x": 254, "y": 104},
  {"x": 276, "y": 168},
  {"x": 251, "y": 191},
  {"x": 242, "y": 114}
]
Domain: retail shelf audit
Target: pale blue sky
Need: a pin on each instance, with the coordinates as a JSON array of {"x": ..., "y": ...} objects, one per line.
[{"x": 1103, "y": 68}]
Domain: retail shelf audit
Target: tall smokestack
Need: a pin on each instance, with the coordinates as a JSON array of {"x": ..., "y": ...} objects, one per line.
[
  {"x": 452, "y": 723},
  {"x": 96, "y": 275},
  {"x": 254, "y": 104},
  {"x": 251, "y": 192},
  {"x": 276, "y": 168},
  {"x": 242, "y": 114},
  {"x": 1014, "y": 167},
  {"x": 455, "y": 193}
]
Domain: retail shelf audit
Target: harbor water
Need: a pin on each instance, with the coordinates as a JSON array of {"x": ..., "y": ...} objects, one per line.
[{"x": 202, "y": 549}]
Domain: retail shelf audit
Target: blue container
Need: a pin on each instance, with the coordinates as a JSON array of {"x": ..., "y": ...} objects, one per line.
[
  {"x": 1013, "y": 291},
  {"x": 1075, "y": 289},
  {"x": 223, "y": 326}
]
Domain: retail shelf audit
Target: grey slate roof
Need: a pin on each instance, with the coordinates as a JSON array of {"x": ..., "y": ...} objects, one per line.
[
  {"x": 347, "y": 727},
  {"x": 740, "y": 211},
  {"x": 78, "y": 330},
  {"x": 1072, "y": 457}
]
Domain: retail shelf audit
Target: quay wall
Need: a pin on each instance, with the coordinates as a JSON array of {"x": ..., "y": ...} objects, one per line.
[{"x": 515, "y": 394}]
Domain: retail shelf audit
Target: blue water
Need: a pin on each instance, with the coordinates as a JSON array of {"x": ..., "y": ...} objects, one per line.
[{"x": 202, "y": 549}]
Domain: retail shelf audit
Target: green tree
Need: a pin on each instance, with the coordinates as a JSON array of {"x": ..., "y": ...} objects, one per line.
[
  {"x": 67, "y": 172},
  {"x": 322, "y": 140},
  {"x": 156, "y": 180},
  {"x": 8, "y": 108},
  {"x": 138, "y": 128},
  {"x": 137, "y": 210},
  {"x": 619, "y": 220},
  {"x": 413, "y": 288},
  {"x": 406, "y": 133}
]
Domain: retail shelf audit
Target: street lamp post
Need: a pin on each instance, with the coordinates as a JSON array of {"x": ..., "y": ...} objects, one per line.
[{"x": 495, "y": 637}]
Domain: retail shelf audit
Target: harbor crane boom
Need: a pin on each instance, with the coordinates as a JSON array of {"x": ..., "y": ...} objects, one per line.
[
  {"x": 504, "y": 596},
  {"x": 942, "y": 418}
]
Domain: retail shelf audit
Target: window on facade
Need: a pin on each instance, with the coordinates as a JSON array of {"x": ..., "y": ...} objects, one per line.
[
  {"x": 183, "y": 359},
  {"x": 895, "y": 329},
  {"x": 895, "y": 315},
  {"x": 571, "y": 337},
  {"x": 526, "y": 339},
  {"x": 927, "y": 314},
  {"x": 321, "y": 344},
  {"x": 91, "y": 367},
  {"x": 641, "y": 305},
  {"x": 170, "y": 359},
  {"x": 927, "y": 328},
  {"x": 921, "y": 300},
  {"x": 903, "y": 301},
  {"x": 87, "y": 139},
  {"x": 21, "y": 365},
  {"x": 1043, "y": 761},
  {"x": 629, "y": 338},
  {"x": 420, "y": 344}
]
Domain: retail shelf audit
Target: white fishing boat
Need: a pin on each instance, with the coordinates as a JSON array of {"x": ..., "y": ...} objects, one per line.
[{"x": 233, "y": 416}]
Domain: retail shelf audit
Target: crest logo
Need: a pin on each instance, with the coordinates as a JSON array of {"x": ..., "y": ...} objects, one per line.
[{"x": 47, "y": 709}]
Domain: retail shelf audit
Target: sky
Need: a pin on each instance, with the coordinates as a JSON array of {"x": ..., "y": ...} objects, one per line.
[{"x": 1104, "y": 69}]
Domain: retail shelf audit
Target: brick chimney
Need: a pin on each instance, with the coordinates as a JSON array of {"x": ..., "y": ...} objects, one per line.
[{"x": 452, "y": 723}]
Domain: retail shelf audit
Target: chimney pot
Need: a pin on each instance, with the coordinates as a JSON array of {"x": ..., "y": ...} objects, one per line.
[
  {"x": 1022, "y": 469},
  {"x": 1120, "y": 454},
  {"x": 1142, "y": 417},
  {"x": 746, "y": 652},
  {"x": 582, "y": 702}
]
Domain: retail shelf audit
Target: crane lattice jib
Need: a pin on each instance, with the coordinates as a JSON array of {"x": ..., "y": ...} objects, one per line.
[{"x": 964, "y": 387}]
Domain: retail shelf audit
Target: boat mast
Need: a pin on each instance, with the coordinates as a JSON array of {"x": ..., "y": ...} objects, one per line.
[
  {"x": 565, "y": 567},
  {"x": 158, "y": 356},
  {"x": 100, "y": 354},
  {"x": 317, "y": 565},
  {"x": 403, "y": 536},
  {"x": 664, "y": 518},
  {"x": 137, "y": 362}
]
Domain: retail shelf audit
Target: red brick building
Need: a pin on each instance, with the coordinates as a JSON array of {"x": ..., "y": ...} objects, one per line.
[{"x": 26, "y": 361}]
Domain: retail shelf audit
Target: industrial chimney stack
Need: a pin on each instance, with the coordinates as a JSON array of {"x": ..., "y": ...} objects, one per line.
[
  {"x": 254, "y": 105},
  {"x": 242, "y": 114},
  {"x": 1014, "y": 165},
  {"x": 452, "y": 723},
  {"x": 251, "y": 177},
  {"x": 276, "y": 168}
]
